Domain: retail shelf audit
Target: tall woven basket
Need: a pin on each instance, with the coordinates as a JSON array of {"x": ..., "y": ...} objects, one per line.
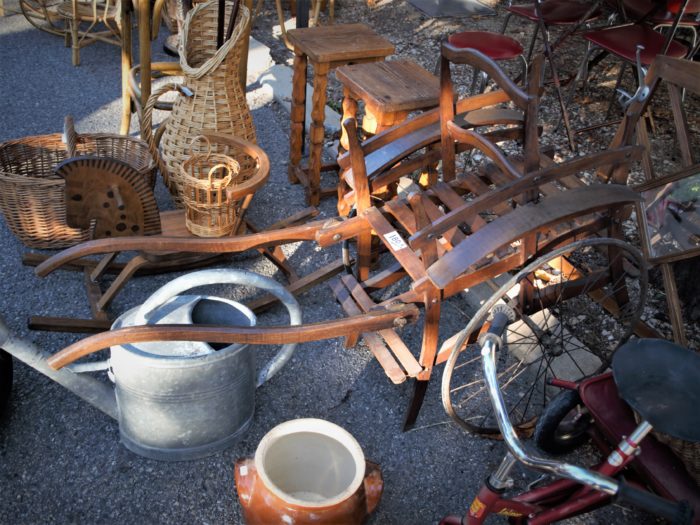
[
  {"x": 32, "y": 196},
  {"x": 211, "y": 98}
]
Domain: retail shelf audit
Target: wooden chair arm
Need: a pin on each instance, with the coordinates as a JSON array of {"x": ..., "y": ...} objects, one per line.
[{"x": 372, "y": 321}]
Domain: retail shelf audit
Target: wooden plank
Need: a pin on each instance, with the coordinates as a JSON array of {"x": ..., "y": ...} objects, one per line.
[
  {"x": 396, "y": 85},
  {"x": 396, "y": 344},
  {"x": 67, "y": 324},
  {"x": 339, "y": 42},
  {"x": 400, "y": 210},
  {"x": 398, "y": 247},
  {"x": 452, "y": 201},
  {"x": 374, "y": 342},
  {"x": 386, "y": 277}
]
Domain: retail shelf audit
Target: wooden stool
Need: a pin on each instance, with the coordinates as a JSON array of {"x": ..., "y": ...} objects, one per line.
[
  {"x": 325, "y": 47},
  {"x": 390, "y": 91}
]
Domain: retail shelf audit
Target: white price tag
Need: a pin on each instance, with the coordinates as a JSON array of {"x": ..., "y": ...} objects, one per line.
[{"x": 395, "y": 241}]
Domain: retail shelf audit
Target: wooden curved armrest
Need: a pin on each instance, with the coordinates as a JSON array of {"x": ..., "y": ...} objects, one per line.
[
  {"x": 372, "y": 321},
  {"x": 480, "y": 61},
  {"x": 487, "y": 147}
]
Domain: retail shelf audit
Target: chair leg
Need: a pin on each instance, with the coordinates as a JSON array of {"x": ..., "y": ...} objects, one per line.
[
  {"x": 531, "y": 47},
  {"x": 581, "y": 75},
  {"x": 505, "y": 23},
  {"x": 75, "y": 41},
  {"x": 420, "y": 387},
  {"x": 129, "y": 270},
  {"x": 618, "y": 82}
]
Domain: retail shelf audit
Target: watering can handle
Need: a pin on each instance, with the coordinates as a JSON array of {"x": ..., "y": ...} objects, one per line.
[{"x": 230, "y": 276}]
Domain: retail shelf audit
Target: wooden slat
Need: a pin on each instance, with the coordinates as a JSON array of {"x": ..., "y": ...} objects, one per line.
[
  {"x": 453, "y": 201},
  {"x": 403, "y": 253},
  {"x": 400, "y": 210},
  {"x": 68, "y": 324},
  {"x": 397, "y": 346},
  {"x": 386, "y": 277},
  {"x": 373, "y": 341}
]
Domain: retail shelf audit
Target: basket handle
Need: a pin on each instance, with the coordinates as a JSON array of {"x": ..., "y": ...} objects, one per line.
[
  {"x": 223, "y": 182},
  {"x": 70, "y": 137},
  {"x": 147, "y": 122},
  {"x": 203, "y": 139}
]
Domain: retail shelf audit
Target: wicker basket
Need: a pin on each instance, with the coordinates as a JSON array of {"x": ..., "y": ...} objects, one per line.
[
  {"x": 687, "y": 451},
  {"x": 32, "y": 196},
  {"x": 205, "y": 179},
  {"x": 216, "y": 101}
]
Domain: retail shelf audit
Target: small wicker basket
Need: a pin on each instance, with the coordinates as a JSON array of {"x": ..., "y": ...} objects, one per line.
[
  {"x": 205, "y": 179},
  {"x": 32, "y": 196}
]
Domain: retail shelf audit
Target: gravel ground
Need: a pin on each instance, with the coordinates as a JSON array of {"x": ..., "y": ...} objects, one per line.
[{"x": 61, "y": 461}]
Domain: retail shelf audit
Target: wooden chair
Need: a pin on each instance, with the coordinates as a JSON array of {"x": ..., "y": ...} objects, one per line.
[
  {"x": 94, "y": 13},
  {"x": 420, "y": 138},
  {"x": 376, "y": 166},
  {"x": 444, "y": 243}
]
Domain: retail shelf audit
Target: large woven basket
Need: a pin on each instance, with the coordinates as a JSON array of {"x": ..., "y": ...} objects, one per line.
[
  {"x": 32, "y": 196},
  {"x": 217, "y": 104}
]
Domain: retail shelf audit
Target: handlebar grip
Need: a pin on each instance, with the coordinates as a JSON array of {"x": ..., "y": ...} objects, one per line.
[
  {"x": 679, "y": 513},
  {"x": 498, "y": 324}
]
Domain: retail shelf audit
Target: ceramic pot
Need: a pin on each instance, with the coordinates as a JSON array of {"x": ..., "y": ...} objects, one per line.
[{"x": 307, "y": 471}]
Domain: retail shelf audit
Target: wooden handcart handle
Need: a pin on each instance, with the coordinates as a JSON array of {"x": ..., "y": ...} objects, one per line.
[{"x": 372, "y": 321}]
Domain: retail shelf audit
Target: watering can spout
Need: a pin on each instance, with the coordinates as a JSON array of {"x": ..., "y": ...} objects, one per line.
[{"x": 98, "y": 393}]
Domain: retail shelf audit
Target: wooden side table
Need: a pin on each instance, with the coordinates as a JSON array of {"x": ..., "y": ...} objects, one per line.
[
  {"x": 389, "y": 90},
  {"x": 325, "y": 48}
]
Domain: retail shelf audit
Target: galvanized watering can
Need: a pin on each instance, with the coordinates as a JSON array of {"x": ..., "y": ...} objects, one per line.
[{"x": 178, "y": 400}]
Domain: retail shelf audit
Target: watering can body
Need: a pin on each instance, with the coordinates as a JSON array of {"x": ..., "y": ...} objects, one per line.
[{"x": 185, "y": 400}]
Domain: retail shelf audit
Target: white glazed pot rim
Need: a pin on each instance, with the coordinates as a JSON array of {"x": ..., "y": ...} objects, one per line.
[{"x": 319, "y": 426}]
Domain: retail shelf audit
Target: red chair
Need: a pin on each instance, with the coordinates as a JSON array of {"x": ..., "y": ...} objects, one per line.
[
  {"x": 623, "y": 41},
  {"x": 570, "y": 13},
  {"x": 495, "y": 46}
]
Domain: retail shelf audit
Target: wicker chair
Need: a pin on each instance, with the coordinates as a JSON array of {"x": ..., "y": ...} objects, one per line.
[{"x": 94, "y": 13}]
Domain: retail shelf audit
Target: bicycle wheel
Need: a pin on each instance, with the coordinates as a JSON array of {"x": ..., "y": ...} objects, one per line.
[{"x": 575, "y": 306}]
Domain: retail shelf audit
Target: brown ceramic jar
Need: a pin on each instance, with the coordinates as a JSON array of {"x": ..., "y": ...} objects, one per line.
[{"x": 307, "y": 471}]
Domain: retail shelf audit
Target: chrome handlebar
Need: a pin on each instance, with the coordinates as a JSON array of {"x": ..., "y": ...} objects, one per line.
[{"x": 490, "y": 344}]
